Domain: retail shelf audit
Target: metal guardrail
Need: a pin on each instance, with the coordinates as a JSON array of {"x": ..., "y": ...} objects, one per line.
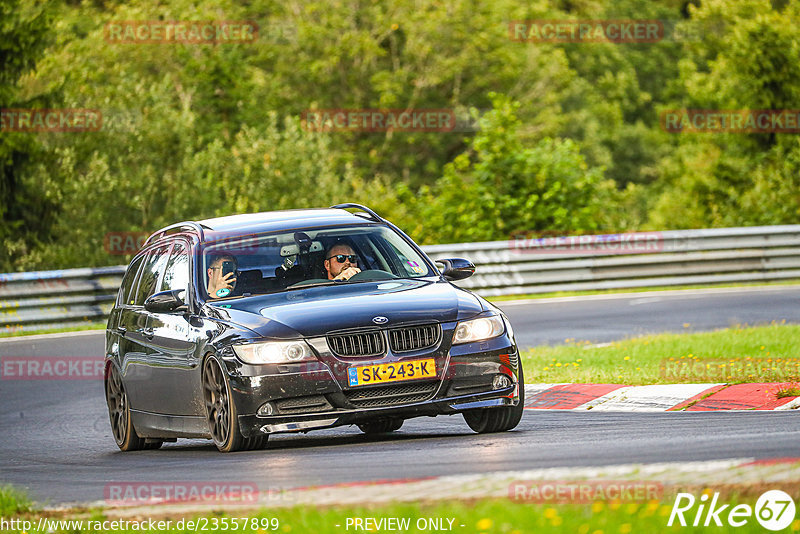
[
  {"x": 44, "y": 300},
  {"x": 52, "y": 299},
  {"x": 679, "y": 257}
]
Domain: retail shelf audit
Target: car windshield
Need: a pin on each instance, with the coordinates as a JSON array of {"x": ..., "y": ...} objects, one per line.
[{"x": 244, "y": 265}]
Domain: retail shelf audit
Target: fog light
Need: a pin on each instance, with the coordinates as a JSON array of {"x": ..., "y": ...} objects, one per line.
[
  {"x": 266, "y": 409},
  {"x": 501, "y": 382}
]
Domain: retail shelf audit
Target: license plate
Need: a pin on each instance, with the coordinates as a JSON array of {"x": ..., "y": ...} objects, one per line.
[{"x": 391, "y": 372}]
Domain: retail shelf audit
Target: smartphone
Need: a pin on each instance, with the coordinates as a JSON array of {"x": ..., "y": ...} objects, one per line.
[{"x": 228, "y": 267}]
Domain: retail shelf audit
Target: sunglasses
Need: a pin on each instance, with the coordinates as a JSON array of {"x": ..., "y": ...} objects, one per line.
[{"x": 341, "y": 257}]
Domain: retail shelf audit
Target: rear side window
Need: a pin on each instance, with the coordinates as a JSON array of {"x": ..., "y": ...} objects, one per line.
[
  {"x": 127, "y": 282},
  {"x": 176, "y": 275},
  {"x": 150, "y": 275}
]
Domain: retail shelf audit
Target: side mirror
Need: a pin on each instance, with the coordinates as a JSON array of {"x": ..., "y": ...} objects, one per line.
[
  {"x": 457, "y": 268},
  {"x": 166, "y": 301}
]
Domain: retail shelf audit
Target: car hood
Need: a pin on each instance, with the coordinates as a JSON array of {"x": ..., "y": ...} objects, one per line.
[{"x": 314, "y": 311}]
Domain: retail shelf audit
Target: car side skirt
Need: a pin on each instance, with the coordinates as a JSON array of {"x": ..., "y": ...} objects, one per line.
[{"x": 151, "y": 425}]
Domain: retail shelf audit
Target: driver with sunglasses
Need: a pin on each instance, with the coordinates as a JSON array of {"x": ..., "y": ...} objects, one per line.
[{"x": 340, "y": 262}]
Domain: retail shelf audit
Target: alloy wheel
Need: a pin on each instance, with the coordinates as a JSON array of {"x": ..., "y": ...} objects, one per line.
[{"x": 215, "y": 393}]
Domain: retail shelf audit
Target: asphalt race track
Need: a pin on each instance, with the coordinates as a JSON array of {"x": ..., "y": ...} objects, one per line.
[{"x": 56, "y": 441}]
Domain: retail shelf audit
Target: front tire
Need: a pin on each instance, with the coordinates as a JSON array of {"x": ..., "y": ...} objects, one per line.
[
  {"x": 119, "y": 414},
  {"x": 221, "y": 415},
  {"x": 486, "y": 420}
]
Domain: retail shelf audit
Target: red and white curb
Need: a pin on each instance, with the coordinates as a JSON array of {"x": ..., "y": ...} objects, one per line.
[
  {"x": 501, "y": 484},
  {"x": 660, "y": 397}
]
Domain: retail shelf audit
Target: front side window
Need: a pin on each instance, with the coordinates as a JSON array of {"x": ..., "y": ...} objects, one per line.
[
  {"x": 124, "y": 297},
  {"x": 151, "y": 272},
  {"x": 176, "y": 273},
  {"x": 272, "y": 263}
]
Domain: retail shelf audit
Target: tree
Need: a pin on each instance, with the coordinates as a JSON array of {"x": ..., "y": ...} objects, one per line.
[
  {"x": 25, "y": 209},
  {"x": 746, "y": 61},
  {"x": 502, "y": 186}
]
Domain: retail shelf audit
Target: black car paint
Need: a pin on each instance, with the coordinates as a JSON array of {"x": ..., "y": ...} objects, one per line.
[
  {"x": 160, "y": 355},
  {"x": 314, "y": 311}
]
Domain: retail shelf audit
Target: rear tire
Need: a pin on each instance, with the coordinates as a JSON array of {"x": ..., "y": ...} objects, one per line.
[
  {"x": 486, "y": 420},
  {"x": 381, "y": 426},
  {"x": 119, "y": 414},
  {"x": 221, "y": 415}
]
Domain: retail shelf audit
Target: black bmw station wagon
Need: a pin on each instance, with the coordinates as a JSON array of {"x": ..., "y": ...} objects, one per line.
[{"x": 239, "y": 327}]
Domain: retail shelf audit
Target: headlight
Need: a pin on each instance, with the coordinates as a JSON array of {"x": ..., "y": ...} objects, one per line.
[
  {"x": 478, "y": 329},
  {"x": 274, "y": 352}
]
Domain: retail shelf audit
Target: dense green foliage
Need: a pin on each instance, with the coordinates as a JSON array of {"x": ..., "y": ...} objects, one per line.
[
  {"x": 26, "y": 208},
  {"x": 568, "y": 139}
]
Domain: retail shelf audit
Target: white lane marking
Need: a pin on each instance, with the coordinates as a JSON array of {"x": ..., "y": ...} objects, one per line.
[
  {"x": 793, "y": 405},
  {"x": 653, "y": 398},
  {"x": 538, "y": 388},
  {"x": 53, "y": 336},
  {"x": 603, "y": 398},
  {"x": 674, "y": 293},
  {"x": 533, "y": 389},
  {"x": 645, "y": 300}
]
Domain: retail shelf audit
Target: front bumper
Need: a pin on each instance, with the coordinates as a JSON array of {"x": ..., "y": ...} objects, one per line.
[
  {"x": 254, "y": 424},
  {"x": 306, "y": 396}
]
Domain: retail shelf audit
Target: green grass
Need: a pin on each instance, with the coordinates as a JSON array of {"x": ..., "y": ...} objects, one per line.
[
  {"x": 757, "y": 354},
  {"x": 13, "y": 501},
  {"x": 488, "y": 516},
  {"x": 792, "y": 391},
  {"x": 527, "y": 296}
]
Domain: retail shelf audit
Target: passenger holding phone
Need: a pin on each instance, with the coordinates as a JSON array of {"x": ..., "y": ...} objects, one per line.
[{"x": 221, "y": 276}]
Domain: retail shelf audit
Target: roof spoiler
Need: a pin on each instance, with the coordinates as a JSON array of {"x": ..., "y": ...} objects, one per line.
[
  {"x": 190, "y": 226},
  {"x": 374, "y": 216}
]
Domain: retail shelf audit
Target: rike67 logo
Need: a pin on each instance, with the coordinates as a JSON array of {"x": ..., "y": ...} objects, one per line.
[{"x": 774, "y": 510}]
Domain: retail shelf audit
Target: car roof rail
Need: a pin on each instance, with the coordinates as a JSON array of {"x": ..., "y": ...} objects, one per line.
[
  {"x": 181, "y": 226},
  {"x": 374, "y": 216}
]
